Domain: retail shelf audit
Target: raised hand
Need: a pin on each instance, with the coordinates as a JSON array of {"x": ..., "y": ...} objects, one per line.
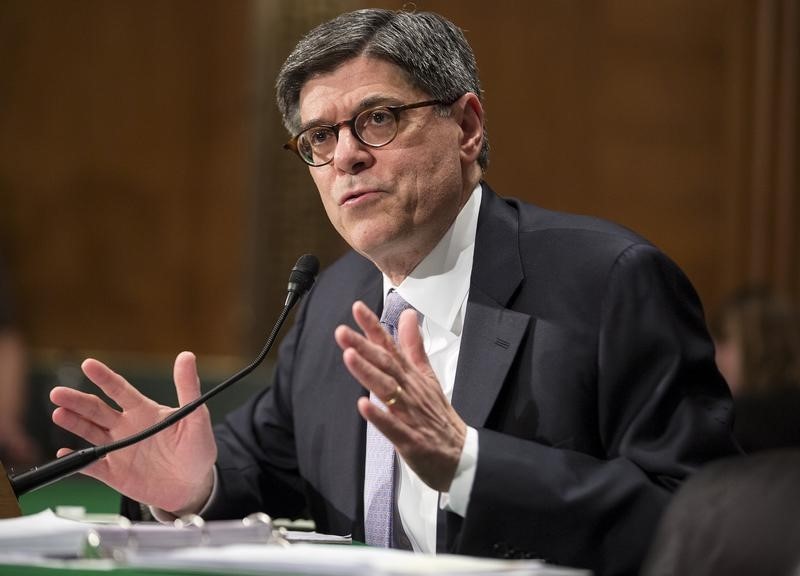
[
  {"x": 172, "y": 470},
  {"x": 424, "y": 428}
]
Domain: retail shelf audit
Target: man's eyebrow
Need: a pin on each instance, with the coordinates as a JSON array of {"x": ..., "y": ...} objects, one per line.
[{"x": 366, "y": 103}]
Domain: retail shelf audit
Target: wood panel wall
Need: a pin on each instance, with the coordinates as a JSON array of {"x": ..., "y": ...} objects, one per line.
[
  {"x": 124, "y": 157},
  {"x": 146, "y": 205},
  {"x": 676, "y": 118}
]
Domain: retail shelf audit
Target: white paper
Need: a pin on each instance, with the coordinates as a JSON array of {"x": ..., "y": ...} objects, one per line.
[
  {"x": 46, "y": 535},
  {"x": 42, "y": 534},
  {"x": 324, "y": 560}
]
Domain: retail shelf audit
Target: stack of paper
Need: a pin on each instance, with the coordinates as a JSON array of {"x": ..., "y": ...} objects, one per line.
[
  {"x": 50, "y": 535},
  {"x": 42, "y": 534},
  {"x": 322, "y": 560},
  {"x": 234, "y": 547}
]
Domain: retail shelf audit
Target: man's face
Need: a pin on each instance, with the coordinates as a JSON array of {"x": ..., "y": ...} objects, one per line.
[{"x": 391, "y": 204}]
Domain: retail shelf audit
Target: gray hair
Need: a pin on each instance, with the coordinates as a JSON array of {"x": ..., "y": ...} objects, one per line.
[{"x": 432, "y": 51}]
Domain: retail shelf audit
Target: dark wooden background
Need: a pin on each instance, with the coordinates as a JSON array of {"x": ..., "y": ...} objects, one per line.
[{"x": 146, "y": 205}]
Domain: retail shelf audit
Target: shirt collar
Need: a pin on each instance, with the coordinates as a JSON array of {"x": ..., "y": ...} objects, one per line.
[{"x": 439, "y": 284}]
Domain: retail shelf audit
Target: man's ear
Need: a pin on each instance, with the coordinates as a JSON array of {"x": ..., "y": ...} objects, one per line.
[{"x": 469, "y": 115}]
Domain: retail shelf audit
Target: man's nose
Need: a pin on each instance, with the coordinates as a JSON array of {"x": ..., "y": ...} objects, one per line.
[{"x": 351, "y": 155}]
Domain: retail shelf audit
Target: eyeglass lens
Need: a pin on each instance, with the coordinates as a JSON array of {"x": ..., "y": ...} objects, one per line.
[{"x": 374, "y": 127}]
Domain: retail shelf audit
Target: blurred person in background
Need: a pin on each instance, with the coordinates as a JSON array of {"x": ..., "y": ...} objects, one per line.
[
  {"x": 735, "y": 516},
  {"x": 757, "y": 335},
  {"x": 17, "y": 448}
]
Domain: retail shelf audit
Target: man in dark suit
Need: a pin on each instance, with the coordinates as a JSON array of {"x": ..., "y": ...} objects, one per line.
[{"x": 551, "y": 386}]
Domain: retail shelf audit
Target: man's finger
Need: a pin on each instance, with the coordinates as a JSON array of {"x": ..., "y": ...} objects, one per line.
[
  {"x": 410, "y": 339},
  {"x": 76, "y": 424},
  {"x": 372, "y": 377},
  {"x": 370, "y": 324},
  {"x": 114, "y": 385},
  {"x": 395, "y": 430},
  {"x": 88, "y": 406},
  {"x": 187, "y": 382},
  {"x": 384, "y": 359}
]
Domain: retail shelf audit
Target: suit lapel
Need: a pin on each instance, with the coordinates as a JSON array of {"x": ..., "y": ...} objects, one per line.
[
  {"x": 492, "y": 333},
  {"x": 490, "y": 342}
]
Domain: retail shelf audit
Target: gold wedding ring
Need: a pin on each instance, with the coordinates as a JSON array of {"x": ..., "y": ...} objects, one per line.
[{"x": 391, "y": 401}]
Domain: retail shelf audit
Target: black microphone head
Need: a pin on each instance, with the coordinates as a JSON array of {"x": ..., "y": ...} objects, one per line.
[{"x": 302, "y": 277}]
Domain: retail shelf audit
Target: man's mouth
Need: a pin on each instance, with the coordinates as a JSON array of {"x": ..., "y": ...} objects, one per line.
[{"x": 356, "y": 196}]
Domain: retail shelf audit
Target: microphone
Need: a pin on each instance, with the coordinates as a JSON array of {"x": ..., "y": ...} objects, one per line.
[{"x": 300, "y": 281}]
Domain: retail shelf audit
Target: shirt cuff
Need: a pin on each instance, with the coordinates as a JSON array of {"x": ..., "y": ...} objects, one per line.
[
  {"x": 457, "y": 499},
  {"x": 168, "y": 517}
]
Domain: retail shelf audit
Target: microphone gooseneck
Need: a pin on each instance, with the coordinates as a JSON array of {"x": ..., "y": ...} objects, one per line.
[{"x": 301, "y": 279}]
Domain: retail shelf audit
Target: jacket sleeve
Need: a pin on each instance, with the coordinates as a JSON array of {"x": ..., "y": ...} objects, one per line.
[{"x": 257, "y": 461}]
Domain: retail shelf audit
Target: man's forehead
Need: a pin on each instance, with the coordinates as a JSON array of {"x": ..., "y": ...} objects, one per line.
[{"x": 356, "y": 84}]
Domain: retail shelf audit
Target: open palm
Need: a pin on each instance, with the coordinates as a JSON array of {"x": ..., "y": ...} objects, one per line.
[{"x": 172, "y": 470}]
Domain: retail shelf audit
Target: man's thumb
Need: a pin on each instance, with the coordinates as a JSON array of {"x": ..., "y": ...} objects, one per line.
[{"x": 187, "y": 382}]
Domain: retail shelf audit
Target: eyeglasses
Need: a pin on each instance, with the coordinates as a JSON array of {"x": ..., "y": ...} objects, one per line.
[{"x": 374, "y": 127}]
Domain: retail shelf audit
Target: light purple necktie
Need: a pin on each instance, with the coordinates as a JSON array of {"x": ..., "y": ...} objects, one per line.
[{"x": 380, "y": 460}]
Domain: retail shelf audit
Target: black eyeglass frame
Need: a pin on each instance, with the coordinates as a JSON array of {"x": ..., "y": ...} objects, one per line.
[{"x": 351, "y": 123}]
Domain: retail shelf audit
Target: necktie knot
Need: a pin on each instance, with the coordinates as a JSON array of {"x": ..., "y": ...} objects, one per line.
[{"x": 394, "y": 306}]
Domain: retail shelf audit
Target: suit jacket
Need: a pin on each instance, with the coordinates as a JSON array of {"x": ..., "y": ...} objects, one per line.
[{"x": 585, "y": 366}]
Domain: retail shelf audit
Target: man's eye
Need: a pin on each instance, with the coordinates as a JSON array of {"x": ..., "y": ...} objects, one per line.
[
  {"x": 379, "y": 117},
  {"x": 318, "y": 137}
]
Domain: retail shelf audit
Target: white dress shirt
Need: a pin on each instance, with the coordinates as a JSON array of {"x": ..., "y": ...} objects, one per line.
[{"x": 438, "y": 288}]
